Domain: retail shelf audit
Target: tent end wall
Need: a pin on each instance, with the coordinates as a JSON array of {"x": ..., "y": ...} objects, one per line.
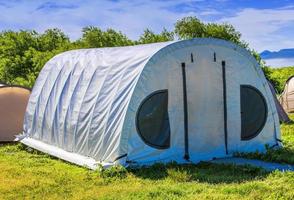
[{"x": 268, "y": 134}]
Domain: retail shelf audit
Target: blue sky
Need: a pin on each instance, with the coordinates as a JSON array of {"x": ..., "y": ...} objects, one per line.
[{"x": 265, "y": 24}]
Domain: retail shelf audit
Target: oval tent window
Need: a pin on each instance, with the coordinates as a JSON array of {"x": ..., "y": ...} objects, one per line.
[
  {"x": 253, "y": 112},
  {"x": 153, "y": 121}
]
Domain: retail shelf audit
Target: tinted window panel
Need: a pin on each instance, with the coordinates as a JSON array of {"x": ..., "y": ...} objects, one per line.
[
  {"x": 253, "y": 112},
  {"x": 152, "y": 120}
]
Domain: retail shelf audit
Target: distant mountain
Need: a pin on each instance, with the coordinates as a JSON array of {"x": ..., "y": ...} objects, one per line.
[{"x": 283, "y": 53}]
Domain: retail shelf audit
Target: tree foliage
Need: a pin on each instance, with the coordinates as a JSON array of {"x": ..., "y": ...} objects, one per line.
[
  {"x": 278, "y": 76},
  {"x": 150, "y": 37},
  {"x": 191, "y": 27},
  {"x": 24, "y": 53},
  {"x": 95, "y": 37}
]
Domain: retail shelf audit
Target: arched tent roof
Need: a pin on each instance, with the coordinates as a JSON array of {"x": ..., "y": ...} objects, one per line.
[
  {"x": 84, "y": 93},
  {"x": 80, "y": 86}
]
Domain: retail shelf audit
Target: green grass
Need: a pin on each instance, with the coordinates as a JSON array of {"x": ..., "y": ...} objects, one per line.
[
  {"x": 28, "y": 174},
  {"x": 282, "y": 155}
]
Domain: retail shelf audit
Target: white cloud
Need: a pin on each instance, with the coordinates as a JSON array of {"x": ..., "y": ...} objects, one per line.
[
  {"x": 209, "y": 12},
  {"x": 262, "y": 28},
  {"x": 265, "y": 28},
  {"x": 131, "y": 17}
]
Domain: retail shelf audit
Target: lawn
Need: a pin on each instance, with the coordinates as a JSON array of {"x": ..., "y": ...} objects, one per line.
[{"x": 28, "y": 174}]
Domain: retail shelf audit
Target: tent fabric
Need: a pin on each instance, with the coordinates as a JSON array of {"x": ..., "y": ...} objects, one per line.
[
  {"x": 287, "y": 97},
  {"x": 283, "y": 117},
  {"x": 13, "y": 102},
  {"x": 86, "y": 102},
  {"x": 80, "y": 98}
]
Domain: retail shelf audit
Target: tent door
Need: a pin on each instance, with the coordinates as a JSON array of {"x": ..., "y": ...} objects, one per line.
[{"x": 205, "y": 130}]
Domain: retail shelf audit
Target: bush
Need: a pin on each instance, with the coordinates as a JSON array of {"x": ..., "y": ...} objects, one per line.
[{"x": 278, "y": 76}]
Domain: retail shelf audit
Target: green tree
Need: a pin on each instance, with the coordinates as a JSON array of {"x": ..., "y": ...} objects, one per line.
[
  {"x": 150, "y": 37},
  {"x": 53, "y": 39},
  {"x": 278, "y": 76},
  {"x": 95, "y": 37},
  {"x": 13, "y": 47},
  {"x": 191, "y": 27},
  {"x": 224, "y": 31},
  {"x": 24, "y": 53}
]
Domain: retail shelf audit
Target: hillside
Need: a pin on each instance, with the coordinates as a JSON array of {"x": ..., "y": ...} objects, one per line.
[{"x": 283, "y": 53}]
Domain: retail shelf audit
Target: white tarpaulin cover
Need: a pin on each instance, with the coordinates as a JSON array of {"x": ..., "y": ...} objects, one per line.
[{"x": 84, "y": 105}]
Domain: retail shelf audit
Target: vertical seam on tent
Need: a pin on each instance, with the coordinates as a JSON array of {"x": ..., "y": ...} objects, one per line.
[
  {"x": 92, "y": 112},
  {"x": 47, "y": 100},
  {"x": 59, "y": 98},
  {"x": 287, "y": 101},
  {"x": 31, "y": 96},
  {"x": 110, "y": 106},
  {"x": 68, "y": 108},
  {"x": 91, "y": 79},
  {"x": 37, "y": 102},
  {"x": 74, "y": 91},
  {"x": 50, "y": 93},
  {"x": 108, "y": 113},
  {"x": 148, "y": 61},
  {"x": 46, "y": 107},
  {"x": 131, "y": 98},
  {"x": 185, "y": 104},
  {"x": 94, "y": 106},
  {"x": 108, "y": 110},
  {"x": 225, "y": 104},
  {"x": 42, "y": 119}
]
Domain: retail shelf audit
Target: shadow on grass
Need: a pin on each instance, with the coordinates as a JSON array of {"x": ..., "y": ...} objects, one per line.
[
  {"x": 283, "y": 155},
  {"x": 202, "y": 172}
]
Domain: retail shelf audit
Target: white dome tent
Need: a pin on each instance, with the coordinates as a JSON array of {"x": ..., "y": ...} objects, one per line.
[
  {"x": 287, "y": 97},
  {"x": 182, "y": 101}
]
